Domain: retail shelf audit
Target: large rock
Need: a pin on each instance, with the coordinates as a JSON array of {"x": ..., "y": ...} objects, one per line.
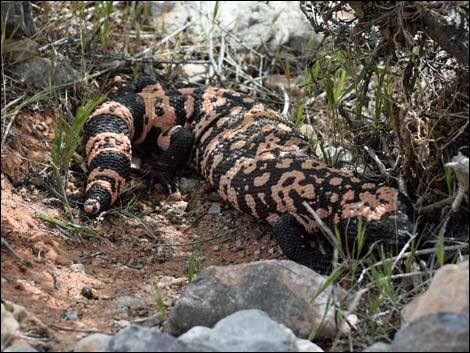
[
  {"x": 142, "y": 339},
  {"x": 17, "y": 16},
  {"x": 15, "y": 319},
  {"x": 436, "y": 332},
  {"x": 282, "y": 289},
  {"x": 379, "y": 347},
  {"x": 10, "y": 326},
  {"x": 96, "y": 342},
  {"x": 448, "y": 292},
  {"x": 37, "y": 72},
  {"x": 21, "y": 347},
  {"x": 246, "y": 331},
  {"x": 257, "y": 24}
]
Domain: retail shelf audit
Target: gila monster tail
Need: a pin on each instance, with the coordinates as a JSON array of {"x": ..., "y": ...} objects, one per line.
[{"x": 107, "y": 136}]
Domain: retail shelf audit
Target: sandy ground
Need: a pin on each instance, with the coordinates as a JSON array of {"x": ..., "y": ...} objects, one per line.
[{"x": 74, "y": 284}]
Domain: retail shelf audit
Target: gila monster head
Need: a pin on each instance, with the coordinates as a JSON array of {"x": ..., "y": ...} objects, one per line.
[{"x": 392, "y": 229}]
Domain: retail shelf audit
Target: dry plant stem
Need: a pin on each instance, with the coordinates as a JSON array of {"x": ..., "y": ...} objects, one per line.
[
  {"x": 418, "y": 252},
  {"x": 436, "y": 205},
  {"x": 7, "y": 130},
  {"x": 192, "y": 243},
  {"x": 217, "y": 69},
  {"x": 285, "y": 110},
  {"x": 163, "y": 41},
  {"x": 4, "y": 81},
  {"x": 354, "y": 303},
  {"x": 377, "y": 161},
  {"x": 9, "y": 247},
  {"x": 405, "y": 247},
  {"x": 76, "y": 329},
  {"x": 220, "y": 60},
  {"x": 332, "y": 238},
  {"x": 134, "y": 59},
  {"x": 458, "y": 133},
  {"x": 327, "y": 231}
]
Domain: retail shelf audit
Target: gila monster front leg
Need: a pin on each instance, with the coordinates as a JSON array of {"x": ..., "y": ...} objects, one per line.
[
  {"x": 292, "y": 238},
  {"x": 175, "y": 144}
]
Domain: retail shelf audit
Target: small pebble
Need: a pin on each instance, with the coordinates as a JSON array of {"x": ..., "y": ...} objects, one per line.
[
  {"x": 87, "y": 292},
  {"x": 178, "y": 207},
  {"x": 71, "y": 315},
  {"x": 176, "y": 196},
  {"x": 117, "y": 81},
  {"x": 215, "y": 209},
  {"x": 77, "y": 268},
  {"x": 188, "y": 185},
  {"x": 239, "y": 244}
]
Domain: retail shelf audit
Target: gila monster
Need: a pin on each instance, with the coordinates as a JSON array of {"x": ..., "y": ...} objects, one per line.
[{"x": 255, "y": 159}]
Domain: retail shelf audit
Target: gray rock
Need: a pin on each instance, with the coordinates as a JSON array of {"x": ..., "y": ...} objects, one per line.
[
  {"x": 448, "y": 292},
  {"x": 245, "y": 331},
  {"x": 215, "y": 209},
  {"x": 18, "y": 51},
  {"x": 197, "y": 73},
  {"x": 70, "y": 315},
  {"x": 379, "y": 347},
  {"x": 132, "y": 305},
  {"x": 77, "y": 268},
  {"x": 10, "y": 326},
  {"x": 188, "y": 185},
  {"x": 150, "y": 321},
  {"x": 436, "y": 332},
  {"x": 96, "y": 342},
  {"x": 179, "y": 207},
  {"x": 21, "y": 347},
  {"x": 307, "y": 346},
  {"x": 142, "y": 339},
  {"x": 17, "y": 15},
  {"x": 12, "y": 315},
  {"x": 256, "y": 24},
  {"x": 37, "y": 72},
  {"x": 283, "y": 289}
]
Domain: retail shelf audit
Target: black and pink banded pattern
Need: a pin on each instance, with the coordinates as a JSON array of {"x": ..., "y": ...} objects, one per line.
[{"x": 255, "y": 159}]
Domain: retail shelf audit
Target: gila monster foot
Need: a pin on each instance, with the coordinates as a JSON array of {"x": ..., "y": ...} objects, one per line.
[
  {"x": 292, "y": 238},
  {"x": 165, "y": 179}
]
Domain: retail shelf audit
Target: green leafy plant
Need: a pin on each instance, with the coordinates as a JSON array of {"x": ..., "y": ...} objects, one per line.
[
  {"x": 159, "y": 300},
  {"x": 103, "y": 20},
  {"x": 192, "y": 265},
  {"x": 69, "y": 226},
  {"x": 67, "y": 139}
]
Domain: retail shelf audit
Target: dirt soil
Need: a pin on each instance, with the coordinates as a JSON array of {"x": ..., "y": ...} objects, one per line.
[{"x": 75, "y": 285}]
